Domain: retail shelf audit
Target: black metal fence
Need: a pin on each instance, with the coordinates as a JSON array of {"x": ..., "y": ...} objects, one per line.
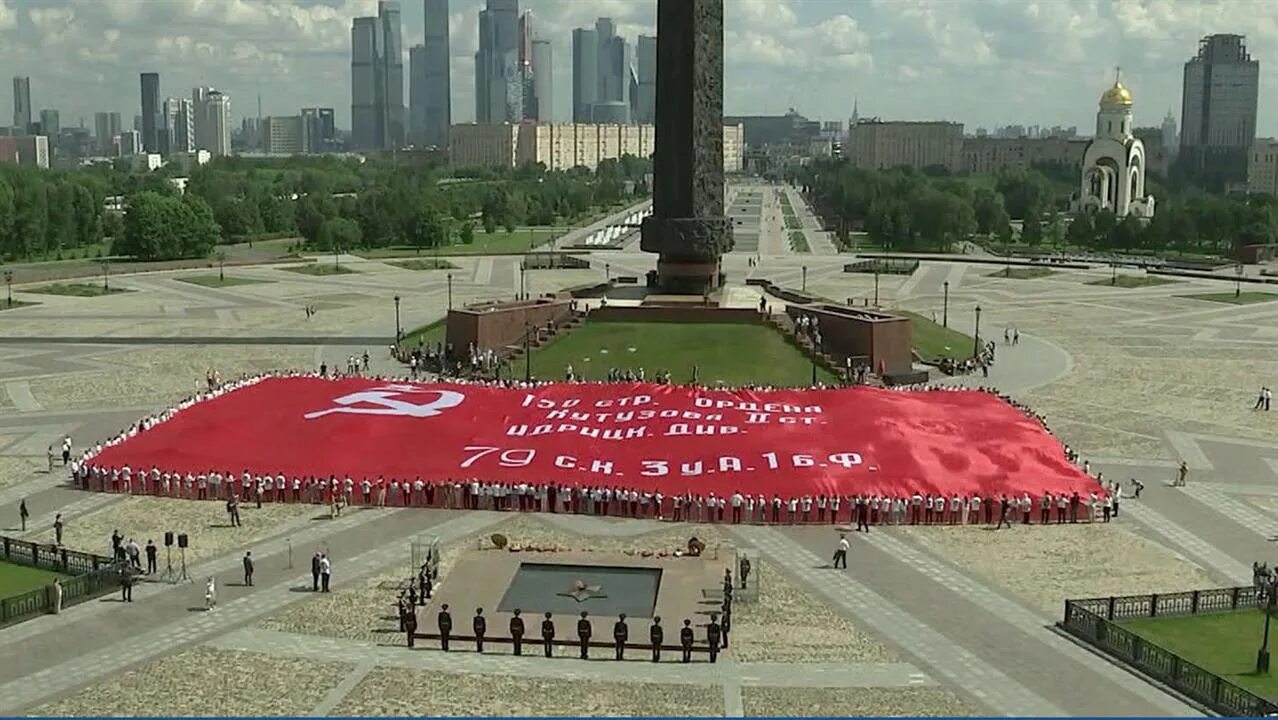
[
  {"x": 1093, "y": 622},
  {"x": 88, "y": 576}
]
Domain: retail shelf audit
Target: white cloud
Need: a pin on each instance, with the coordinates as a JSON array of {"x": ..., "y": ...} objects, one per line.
[{"x": 983, "y": 62}]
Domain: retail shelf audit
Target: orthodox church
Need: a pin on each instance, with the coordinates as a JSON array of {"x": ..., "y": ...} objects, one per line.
[{"x": 1114, "y": 163}]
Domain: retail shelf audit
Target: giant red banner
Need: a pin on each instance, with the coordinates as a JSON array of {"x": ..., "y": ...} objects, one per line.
[{"x": 858, "y": 441}]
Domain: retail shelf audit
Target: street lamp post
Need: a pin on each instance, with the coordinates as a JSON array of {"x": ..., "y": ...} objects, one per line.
[
  {"x": 976, "y": 337},
  {"x": 945, "y": 305},
  {"x": 1113, "y": 280},
  {"x": 450, "y": 292},
  {"x": 805, "y": 278},
  {"x": 527, "y": 352},
  {"x": 399, "y": 333},
  {"x": 607, "y": 272},
  {"x": 876, "y": 286},
  {"x": 523, "y": 292},
  {"x": 1238, "y": 281},
  {"x": 337, "y": 256},
  {"x": 106, "y": 276},
  {"x": 1262, "y": 657},
  {"x": 8, "y": 284}
]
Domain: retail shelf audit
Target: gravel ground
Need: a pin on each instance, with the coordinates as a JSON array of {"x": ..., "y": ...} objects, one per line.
[
  {"x": 19, "y": 468},
  {"x": 1048, "y": 565},
  {"x": 234, "y": 683},
  {"x": 160, "y": 375},
  {"x": 147, "y": 518},
  {"x": 854, "y": 702},
  {"x": 791, "y": 624},
  {"x": 1264, "y": 502},
  {"x": 344, "y": 612},
  {"x": 413, "y": 693}
]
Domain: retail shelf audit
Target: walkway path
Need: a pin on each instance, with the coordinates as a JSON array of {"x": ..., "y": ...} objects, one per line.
[{"x": 818, "y": 239}]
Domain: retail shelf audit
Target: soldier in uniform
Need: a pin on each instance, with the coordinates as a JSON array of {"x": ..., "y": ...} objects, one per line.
[
  {"x": 517, "y": 632},
  {"x": 412, "y": 595},
  {"x": 445, "y": 627},
  {"x": 744, "y": 572},
  {"x": 713, "y": 634},
  {"x": 685, "y": 639},
  {"x": 583, "y": 635},
  {"x": 548, "y": 634},
  {"x": 409, "y": 620},
  {"x": 620, "y": 633},
  {"x": 480, "y": 625},
  {"x": 423, "y": 584},
  {"x": 655, "y": 636},
  {"x": 727, "y": 581}
]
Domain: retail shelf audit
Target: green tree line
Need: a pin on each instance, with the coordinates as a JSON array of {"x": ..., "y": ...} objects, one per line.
[
  {"x": 328, "y": 201},
  {"x": 908, "y": 210}
]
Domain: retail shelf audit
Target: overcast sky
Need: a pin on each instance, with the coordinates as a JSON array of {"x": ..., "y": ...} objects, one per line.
[{"x": 980, "y": 62}]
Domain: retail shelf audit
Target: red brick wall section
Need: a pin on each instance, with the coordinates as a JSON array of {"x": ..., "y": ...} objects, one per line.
[
  {"x": 883, "y": 337},
  {"x": 500, "y": 325}
]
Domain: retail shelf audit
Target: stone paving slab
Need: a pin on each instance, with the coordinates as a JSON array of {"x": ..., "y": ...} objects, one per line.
[
  {"x": 872, "y": 702},
  {"x": 988, "y": 685},
  {"x": 167, "y": 636},
  {"x": 427, "y": 656}
]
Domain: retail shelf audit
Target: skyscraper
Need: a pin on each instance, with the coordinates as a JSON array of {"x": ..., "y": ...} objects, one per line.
[
  {"x": 585, "y": 74},
  {"x": 525, "y": 66},
  {"x": 321, "y": 130},
  {"x": 179, "y": 125},
  {"x": 498, "y": 82},
  {"x": 645, "y": 101},
  {"x": 106, "y": 126},
  {"x": 377, "y": 79},
  {"x": 21, "y": 105},
  {"x": 212, "y": 121},
  {"x": 1219, "y": 99},
  {"x": 50, "y": 127},
  {"x": 417, "y": 94},
  {"x": 437, "y": 105},
  {"x": 151, "y": 119},
  {"x": 543, "y": 90},
  {"x": 393, "y": 70}
]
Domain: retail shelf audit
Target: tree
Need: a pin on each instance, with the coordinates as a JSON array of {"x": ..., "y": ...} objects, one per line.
[
  {"x": 467, "y": 235},
  {"x": 1032, "y": 226},
  {"x": 157, "y": 227},
  {"x": 7, "y": 211},
  {"x": 338, "y": 234},
  {"x": 1080, "y": 232}
]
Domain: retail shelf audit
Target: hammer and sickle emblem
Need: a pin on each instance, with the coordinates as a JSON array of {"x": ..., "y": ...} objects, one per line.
[{"x": 384, "y": 398}]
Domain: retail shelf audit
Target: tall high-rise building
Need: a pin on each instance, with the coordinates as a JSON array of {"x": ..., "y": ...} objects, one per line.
[
  {"x": 168, "y": 125},
  {"x": 645, "y": 100},
  {"x": 106, "y": 126},
  {"x": 499, "y": 92},
  {"x": 525, "y": 66},
  {"x": 615, "y": 73},
  {"x": 151, "y": 118},
  {"x": 179, "y": 125},
  {"x": 285, "y": 135},
  {"x": 543, "y": 86},
  {"x": 1219, "y": 99},
  {"x": 417, "y": 94},
  {"x": 21, "y": 105},
  {"x": 437, "y": 105},
  {"x": 321, "y": 129},
  {"x": 377, "y": 79},
  {"x": 51, "y": 127},
  {"x": 213, "y": 123},
  {"x": 585, "y": 74},
  {"x": 1169, "y": 132}
]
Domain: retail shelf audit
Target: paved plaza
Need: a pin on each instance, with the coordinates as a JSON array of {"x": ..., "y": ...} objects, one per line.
[{"x": 926, "y": 621}]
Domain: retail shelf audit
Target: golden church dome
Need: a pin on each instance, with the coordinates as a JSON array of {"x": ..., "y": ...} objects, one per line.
[{"x": 1117, "y": 95}]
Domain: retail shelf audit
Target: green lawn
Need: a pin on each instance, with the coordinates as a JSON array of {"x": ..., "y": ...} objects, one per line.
[
  {"x": 1244, "y": 298},
  {"x": 6, "y": 305},
  {"x": 1133, "y": 281},
  {"x": 215, "y": 281},
  {"x": 792, "y": 223},
  {"x": 1222, "y": 643},
  {"x": 732, "y": 353},
  {"x": 18, "y": 579},
  {"x": 503, "y": 243},
  {"x": 78, "y": 290},
  {"x": 1022, "y": 273},
  {"x": 933, "y": 341},
  {"x": 424, "y": 264},
  {"x": 321, "y": 268},
  {"x": 427, "y": 334},
  {"x": 799, "y": 242}
]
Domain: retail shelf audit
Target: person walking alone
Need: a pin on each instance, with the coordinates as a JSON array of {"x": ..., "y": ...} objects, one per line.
[
  {"x": 841, "y": 553},
  {"x": 248, "y": 569},
  {"x": 326, "y": 571}
]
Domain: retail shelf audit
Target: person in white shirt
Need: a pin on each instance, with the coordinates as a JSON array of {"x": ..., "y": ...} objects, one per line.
[{"x": 841, "y": 553}]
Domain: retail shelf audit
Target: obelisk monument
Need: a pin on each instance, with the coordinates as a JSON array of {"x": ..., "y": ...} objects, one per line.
[{"x": 688, "y": 228}]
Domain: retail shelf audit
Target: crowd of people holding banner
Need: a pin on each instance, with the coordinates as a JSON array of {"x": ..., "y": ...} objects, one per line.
[{"x": 260, "y": 486}]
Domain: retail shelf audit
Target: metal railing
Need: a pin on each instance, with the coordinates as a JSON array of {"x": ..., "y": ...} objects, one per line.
[
  {"x": 88, "y": 576},
  {"x": 1093, "y": 621}
]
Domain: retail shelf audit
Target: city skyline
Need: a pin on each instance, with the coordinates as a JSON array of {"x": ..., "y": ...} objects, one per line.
[{"x": 815, "y": 56}]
